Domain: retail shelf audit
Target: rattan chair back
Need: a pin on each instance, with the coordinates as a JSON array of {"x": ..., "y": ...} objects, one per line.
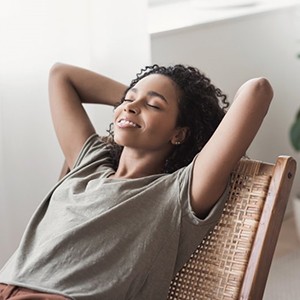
[{"x": 234, "y": 259}]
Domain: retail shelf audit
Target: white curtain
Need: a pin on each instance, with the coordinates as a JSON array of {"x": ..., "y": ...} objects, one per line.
[{"x": 109, "y": 36}]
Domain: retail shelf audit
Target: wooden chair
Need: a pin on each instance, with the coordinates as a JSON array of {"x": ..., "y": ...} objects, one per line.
[{"x": 234, "y": 259}]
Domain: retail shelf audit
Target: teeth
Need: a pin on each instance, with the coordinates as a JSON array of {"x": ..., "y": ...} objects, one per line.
[{"x": 126, "y": 122}]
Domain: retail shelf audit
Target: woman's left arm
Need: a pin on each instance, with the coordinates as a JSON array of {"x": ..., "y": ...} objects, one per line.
[{"x": 229, "y": 143}]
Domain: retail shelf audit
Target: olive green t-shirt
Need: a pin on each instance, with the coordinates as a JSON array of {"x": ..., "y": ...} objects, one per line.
[{"x": 95, "y": 237}]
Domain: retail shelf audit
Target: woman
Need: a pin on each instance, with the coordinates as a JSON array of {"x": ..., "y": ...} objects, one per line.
[{"x": 132, "y": 210}]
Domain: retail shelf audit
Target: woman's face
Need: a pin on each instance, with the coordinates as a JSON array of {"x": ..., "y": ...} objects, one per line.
[{"x": 146, "y": 120}]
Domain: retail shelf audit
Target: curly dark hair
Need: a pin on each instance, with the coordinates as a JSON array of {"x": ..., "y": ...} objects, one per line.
[{"x": 201, "y": 108}]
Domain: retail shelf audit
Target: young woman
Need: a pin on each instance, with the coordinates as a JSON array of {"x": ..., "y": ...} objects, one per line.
[{"x": 133, "y": 209}]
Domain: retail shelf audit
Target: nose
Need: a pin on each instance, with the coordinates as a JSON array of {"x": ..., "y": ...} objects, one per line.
[{"x": 132, "y": 107}]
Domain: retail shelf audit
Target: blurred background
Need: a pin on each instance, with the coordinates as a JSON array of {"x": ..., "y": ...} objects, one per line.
[{"x": 230, "y": 40}]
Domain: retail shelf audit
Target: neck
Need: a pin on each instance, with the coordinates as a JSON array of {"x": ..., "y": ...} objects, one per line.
[{"x": 134, "y": 164}]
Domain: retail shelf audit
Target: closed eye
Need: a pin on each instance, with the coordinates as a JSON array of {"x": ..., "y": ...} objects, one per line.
[
  {"x": 148, "y": 104},
  {"x": 126, "y": 100},
  {"x": 153, "y": 106}
]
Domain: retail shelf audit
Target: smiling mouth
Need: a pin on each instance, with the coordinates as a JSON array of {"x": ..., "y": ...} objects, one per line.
[{"x": 123, "y": 123}]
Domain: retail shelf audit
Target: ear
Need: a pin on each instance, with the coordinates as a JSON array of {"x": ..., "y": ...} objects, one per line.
[{"x": 180, "y": 135}]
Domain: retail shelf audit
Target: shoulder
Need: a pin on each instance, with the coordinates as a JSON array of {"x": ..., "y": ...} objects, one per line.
[{"x": 95, "y": 148}]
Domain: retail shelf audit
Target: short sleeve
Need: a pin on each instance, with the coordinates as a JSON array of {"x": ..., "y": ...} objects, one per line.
[
  {"x": 185, "y": 178},
  {"x": 193, "y": 229},
  {"x": 94, "y": 149}
]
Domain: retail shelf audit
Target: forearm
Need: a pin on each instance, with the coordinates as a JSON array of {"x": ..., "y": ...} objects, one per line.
[{"x": 89, "y": 86}]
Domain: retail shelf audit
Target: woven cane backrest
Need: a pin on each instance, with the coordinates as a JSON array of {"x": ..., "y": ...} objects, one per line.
[{"x": 217, "y": 268}]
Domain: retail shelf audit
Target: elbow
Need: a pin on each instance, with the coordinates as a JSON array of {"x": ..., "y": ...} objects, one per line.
[
  {"x": 56, "y": 79},
  {"x": 264, "y": 89},
  {"x": 58, "y": 74},
  {"x": 263, "y": 93},
  {"x": 60, "y": 71},
  {"x": 56, "y": 68},
  {"x": 265, "y": 84}
]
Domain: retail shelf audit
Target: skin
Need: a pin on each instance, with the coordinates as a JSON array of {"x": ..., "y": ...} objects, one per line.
[{"x": 150, "y": 137}]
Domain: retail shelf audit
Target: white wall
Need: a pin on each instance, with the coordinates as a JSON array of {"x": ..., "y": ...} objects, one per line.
[
  {"x": 107, "y": 36},
  {"x": 111, "y": 37},
  {"x": 232, "y": 51}
]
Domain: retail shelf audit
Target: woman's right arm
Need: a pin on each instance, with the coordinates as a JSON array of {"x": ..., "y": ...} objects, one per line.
[{"x": 69, "y": 88}]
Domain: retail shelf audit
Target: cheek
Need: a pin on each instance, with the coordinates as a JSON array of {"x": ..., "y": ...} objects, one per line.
[
  {"x": 161, "y": 128},
  {"x": 117, "y": 111}
]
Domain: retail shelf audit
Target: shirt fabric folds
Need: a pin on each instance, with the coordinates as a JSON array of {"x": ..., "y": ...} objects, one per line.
[{"x": 95, "y": 237}]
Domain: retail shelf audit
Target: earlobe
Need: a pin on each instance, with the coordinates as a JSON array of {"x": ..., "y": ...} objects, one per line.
[{"x": 180, "y": 135}]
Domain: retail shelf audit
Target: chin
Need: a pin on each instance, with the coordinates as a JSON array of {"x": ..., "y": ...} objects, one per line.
[
  {"x": 121, "y": 141},
  {"x": 118, "y": 142}
]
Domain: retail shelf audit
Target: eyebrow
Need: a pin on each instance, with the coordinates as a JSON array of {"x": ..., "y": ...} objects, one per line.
[{"x": 152, "y": 94}]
